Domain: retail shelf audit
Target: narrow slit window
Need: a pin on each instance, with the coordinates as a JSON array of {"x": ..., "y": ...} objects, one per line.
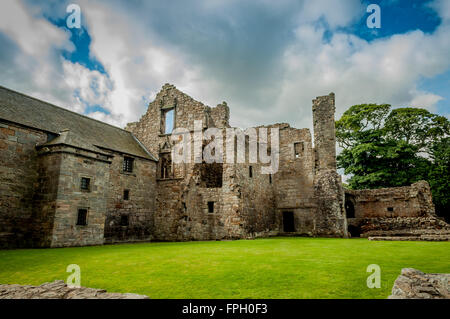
[
  {"x": 270, "y": 178},
  {"x": 210, "y": 207},
  {"x": 126, "y": 194},
  {"x": 250, "y": 171},
  {"x": 82, "y": 217}
]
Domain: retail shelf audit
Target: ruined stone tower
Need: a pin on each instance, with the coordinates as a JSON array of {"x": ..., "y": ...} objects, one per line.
[
  {"x": 330, "y": 213},
  {"x": 324, "y": 132}
]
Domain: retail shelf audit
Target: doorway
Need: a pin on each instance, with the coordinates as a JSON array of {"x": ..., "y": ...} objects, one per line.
[{"x": 288, "y": 222}]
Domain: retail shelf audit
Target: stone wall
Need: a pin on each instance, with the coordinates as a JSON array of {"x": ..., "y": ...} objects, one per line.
[
  {"x": 19, "y": 175},
  {"x": 324, "y": 132},
  {"x": 397, "y": 210},
  {"x": 76, "y": 164},
  {"x": 293, "y": 183},
  {"x": 45, "y": 199},
  {"x": 130, "y": 219},
  {"x": 330, "y": 219},
  {"x": 407, "y": 201},
  {"x": 242, "y": 206}
]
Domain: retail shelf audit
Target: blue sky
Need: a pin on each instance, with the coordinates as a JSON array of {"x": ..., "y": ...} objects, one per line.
[{"x": 267, "y": 59}]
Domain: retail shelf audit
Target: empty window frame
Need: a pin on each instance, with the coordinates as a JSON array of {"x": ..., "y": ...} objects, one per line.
[
  {"x": 128, "y": 164},
  {"x": 167, "y": 121},
  {"x": 298, "y": 149}
]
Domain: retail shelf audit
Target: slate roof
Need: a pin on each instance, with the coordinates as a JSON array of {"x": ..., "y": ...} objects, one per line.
[{"x": 84, "y": 132}]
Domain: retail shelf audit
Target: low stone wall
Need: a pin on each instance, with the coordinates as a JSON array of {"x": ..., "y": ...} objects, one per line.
[
  {"x": 414, "y": 284},
  {"x": 59, "y": 290},
  {"x": 406, "y": 201},
  {"x": 419, "y": 228},
  {"x": 412, "y": 238}
]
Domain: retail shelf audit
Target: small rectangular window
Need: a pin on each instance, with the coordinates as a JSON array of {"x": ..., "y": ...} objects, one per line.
[
  {"x": 126, "y": 194},
  {"x": 82, "y": 217},
  {"x": 250, "y": 171},
  {"x": 128, "y": 164},
  {"x": 270, "y": 178},
  {"x": 390, "y": 209},
  {"x": 85, "y": 184},
  {"x": 124, "y": 221},
  {"x": 210, "y": 207}
]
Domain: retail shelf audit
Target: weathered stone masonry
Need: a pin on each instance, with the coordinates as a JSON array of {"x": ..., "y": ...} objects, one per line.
[
  {"x": 246, "y": 203},
  {"x": 46, "y": 152},
  {"x": 68, "y": 180}
]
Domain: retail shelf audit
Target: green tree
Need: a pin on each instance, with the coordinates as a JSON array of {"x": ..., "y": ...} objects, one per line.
[
  {"x": 439, "y": 177},
  {"x": 388, "y": 148}
]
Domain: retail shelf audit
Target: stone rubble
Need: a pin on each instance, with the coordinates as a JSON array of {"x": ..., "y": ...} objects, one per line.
[
  {"x": 59, "y": 290},
  {"x": 414, "y": 284}
]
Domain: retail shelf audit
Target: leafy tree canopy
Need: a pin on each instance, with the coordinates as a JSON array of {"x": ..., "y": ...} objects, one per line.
[{"x": 389, "y": 148}]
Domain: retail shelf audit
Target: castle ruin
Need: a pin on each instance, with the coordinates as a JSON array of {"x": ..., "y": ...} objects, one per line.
[{"x": 69, "y": 180}]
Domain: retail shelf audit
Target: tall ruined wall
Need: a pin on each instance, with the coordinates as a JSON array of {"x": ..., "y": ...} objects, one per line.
[
  {"x": 293, "y": 183},
  {"x": 324, "y": 132},
  {"x": 330, "y": 218},
  {"x": 183, "y": 193},
  {"x": 200, "y": 201},
  {"x": 328, "y": 190},
  {"x": 18, "y": 175},
  {"x": 132, "y": 218}
]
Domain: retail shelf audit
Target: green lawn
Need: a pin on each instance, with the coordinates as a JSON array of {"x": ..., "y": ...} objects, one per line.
[{"x": 263, "y": 268}]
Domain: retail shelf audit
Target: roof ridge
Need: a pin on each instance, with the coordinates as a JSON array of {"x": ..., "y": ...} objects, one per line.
[{"x": 61, "y": 108}]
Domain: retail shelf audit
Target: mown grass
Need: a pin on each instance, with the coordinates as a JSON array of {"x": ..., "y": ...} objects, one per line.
[{"x": 263, "y": 268}]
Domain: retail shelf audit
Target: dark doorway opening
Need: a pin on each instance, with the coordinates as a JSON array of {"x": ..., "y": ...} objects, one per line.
[
  {"x": 288, "y": 222},
  {"x": 354, "y": 231},
  {"x": 349, "y": 209}
]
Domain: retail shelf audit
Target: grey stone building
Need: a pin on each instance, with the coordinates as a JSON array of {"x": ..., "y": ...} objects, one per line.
[{"x": 69, "y": 180}]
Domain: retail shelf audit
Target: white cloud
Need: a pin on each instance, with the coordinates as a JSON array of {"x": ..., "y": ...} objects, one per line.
[
  {"x": 36, "y": 68},
  {"x": 139, "y": 59},
  {"x": 382, "y": 71},
  {"x": 425, "y": 100}
]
